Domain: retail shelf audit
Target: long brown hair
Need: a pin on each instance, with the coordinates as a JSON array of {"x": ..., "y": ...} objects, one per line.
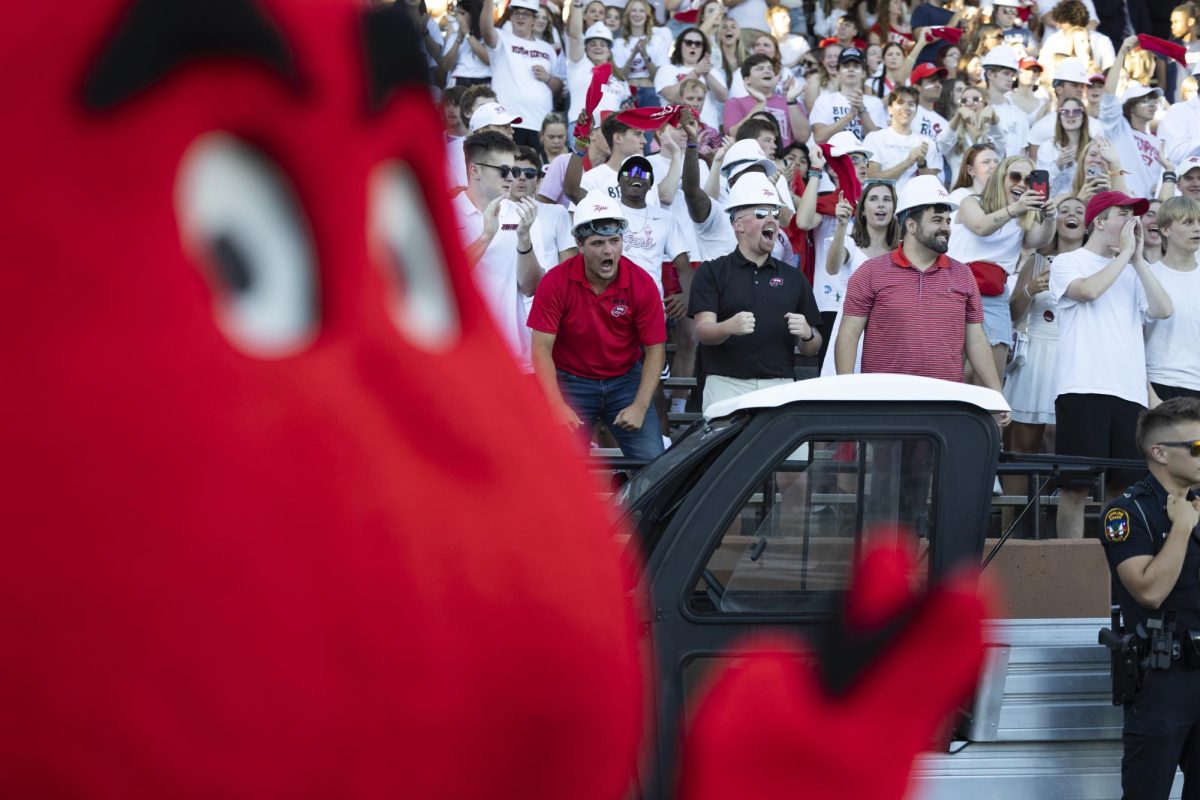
[
  {"x": 964, "y": 180},
  {"x": 1061, "y": 137},
  {"x": 860, "y": 234}
]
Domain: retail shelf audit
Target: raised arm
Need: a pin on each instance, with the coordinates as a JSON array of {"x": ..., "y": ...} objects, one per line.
[
  {"x": 698, "y": 203},
  {"x": 487, "y": 24},
  {"x": 575, "y": 51}
]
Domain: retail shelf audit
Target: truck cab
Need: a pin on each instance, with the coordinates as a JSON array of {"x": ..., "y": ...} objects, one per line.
[{"x": 754, "y": 520}]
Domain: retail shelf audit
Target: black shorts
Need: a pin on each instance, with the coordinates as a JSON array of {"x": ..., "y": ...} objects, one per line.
[
  {"x": 1165, "y": 392},
  {"x": 1098, "y": 426}
]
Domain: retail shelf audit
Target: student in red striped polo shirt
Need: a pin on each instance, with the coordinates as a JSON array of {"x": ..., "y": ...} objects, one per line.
[{"x": 919, "y": 308}]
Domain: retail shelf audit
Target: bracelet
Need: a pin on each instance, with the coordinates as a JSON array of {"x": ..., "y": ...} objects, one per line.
[
  {"x": 692, "y": 145},
  {"x": 521, "y": 252},
  {"x": 1026, "y": 290},
  {"x": 791, "y": 102},
  {"x": 813, "y": 173},
  {"x": 812, "y": 334},
  {"x": 1170, "y": 177}
]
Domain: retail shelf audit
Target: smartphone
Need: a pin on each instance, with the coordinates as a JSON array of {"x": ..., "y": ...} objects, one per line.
[
  {"x": 1094, "y": 171},
  {"x": 1039, "y": 181}
]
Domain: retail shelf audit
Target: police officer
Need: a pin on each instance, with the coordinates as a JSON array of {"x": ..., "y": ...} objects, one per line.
[{"x": 1151, "y": 540}]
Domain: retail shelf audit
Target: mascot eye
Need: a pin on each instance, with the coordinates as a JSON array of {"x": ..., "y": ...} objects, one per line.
[
  {"x": 406, "y": 239},
  {"x": 241, "y": 221}
]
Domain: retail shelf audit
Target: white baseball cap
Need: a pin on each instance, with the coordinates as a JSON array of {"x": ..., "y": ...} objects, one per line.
[
  {"x": 744, "y": 154},
  {"x": 598, "y": 30},
  {"x": 844, "y": 143},
  {"x": 752, "y": 190},
  {"x": 1003, "y": 56},
  {"x": 1190, "y": 163},
  {"x": 1072, "y": 71},
  {"x": 1009, "y": 3},
  {"x": 923, "y": 190},
  {"x": 597, "y": 206},
  {"x": 528, "y": 5},
  {"x": 1136, "y": 90},
  {"x": 492, "y": 114}
]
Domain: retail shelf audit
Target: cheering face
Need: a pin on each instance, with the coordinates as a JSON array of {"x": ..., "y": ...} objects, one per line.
[
  {"x": 1071, "y": 114},
  {"x": 598, "y": 50},
  {"x": 1004, "y": 16},
  {"x": 522, "y": 20},
  {"x": 1151, "y": 236},
  {"x": 879, "y": 207},
  {"x": 593, "y": 13},
  {"x": 1069, "y": 225},
  {"x": 762, "y": 78}
]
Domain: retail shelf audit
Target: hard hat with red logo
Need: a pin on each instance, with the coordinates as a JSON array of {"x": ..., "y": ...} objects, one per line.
[
  {"x": 597, "y": 214},
  {"x": 752, "y": 189}
]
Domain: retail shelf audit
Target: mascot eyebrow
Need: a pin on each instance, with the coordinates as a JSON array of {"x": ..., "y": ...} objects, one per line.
[
  {"x": 390, "y": 66},
  {"x": 155, "y": 37}
]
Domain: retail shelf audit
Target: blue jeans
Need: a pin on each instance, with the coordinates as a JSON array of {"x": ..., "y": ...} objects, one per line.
[{"x": 603, "y": 400}]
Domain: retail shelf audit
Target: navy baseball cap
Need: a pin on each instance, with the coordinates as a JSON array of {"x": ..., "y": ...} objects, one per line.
[{"x": 851, "y": 54}]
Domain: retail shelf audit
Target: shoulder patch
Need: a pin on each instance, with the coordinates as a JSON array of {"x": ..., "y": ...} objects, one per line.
[{"x": 1116, "y": 525}]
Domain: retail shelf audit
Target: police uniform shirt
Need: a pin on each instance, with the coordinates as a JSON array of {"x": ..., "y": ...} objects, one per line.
[
  {"x": 733, "y": 283},
  {"x": 1136, "y": 524}
]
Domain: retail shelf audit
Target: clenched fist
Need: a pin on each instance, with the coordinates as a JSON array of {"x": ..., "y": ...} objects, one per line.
[{"x": 740, "y": 323}]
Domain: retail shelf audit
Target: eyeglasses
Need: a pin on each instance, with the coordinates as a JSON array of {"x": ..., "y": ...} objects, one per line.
[
  {"x": 504, "y": 169},
  {"x": 763, "y": 213},
  {"x": 528, "y": 173},
  {"x": 636, "y": 172},
  {"x": 1195, "y": 446},
  {"x": 1018, "y": 177},
  {"x": 693, "y": 43},
  {"x": 605, "y": 227},
  {"x": 859, "y": 160},
  {"x": 1070, "y": 113},
  {"x": 970, "y": 101}
]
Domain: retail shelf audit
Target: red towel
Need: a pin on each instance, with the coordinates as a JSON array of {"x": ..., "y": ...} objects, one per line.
[
  {"x": 951, "y": 35},
  {"x": 687, "y": 17},
  {"x": 847, "y": 178},
  {"x": 651, "y": 118},
  {"x": 1175, "y": 52},
  {"x": 1023, "y": 14},
  {"x": 595, "y": 90}
]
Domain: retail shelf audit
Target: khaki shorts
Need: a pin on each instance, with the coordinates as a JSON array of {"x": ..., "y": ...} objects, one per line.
[{"x": 718, "y": 387}]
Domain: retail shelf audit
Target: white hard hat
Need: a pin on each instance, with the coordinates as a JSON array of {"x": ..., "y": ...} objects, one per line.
[
  {"x": 923, "y": 190},
  {"x": 1003, "y": 56},
  {"x": 752, "y": 190},
  {"x": 528, "y": 5},
  {"x": 491, "y": 114},
  {"x": 844, "y": 143},
  {"x": 598, "y": 30},
  {"x": 744, "y": 154},
  {"x": 596, "y": 206},
  {"x": 1071, "y": 70}
]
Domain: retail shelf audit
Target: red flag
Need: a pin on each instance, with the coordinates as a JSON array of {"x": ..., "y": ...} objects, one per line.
[
  {"x": 651, "y": 118},
  {"x": 1023, "y": 14},
  {"x": 1175, "y": 52},
  {"x": 951, "y": 35},
  {"x": 687, "y": 17},
  {"x": 843, "y": 170},
  {"x": 595, "y": 90}
]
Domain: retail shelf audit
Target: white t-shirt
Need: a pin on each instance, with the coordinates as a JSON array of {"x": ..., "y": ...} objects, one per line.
[
  {"x": 1060, "y": 179},
  {"x": 929, "y": 123},
  {"x": 1100, "y": 342},
  {"x": 496, "y": 273},
  {"x": 891, "y": 148},
  {"x": 1172, "y": 354},
  {"x": 556, "y": 232},
  {"x": 830, "y": 290},
  {"x": 652, "y": 237},
  {"x": 513, "y": 60},
  {"x": 678, "y": 206},
  {"x": 1002, "y": 247},
  {"x": 1138, "y": 152},
  {"x": 671, "y": 74},
  {"x": 658, "y": 48},
  {"x": 1015, "y": 125},
  {"x": 1179, "y": 127},
  {"x": 831, "y": 107},
  {"x": 749, "y": 14},
  {"x": 603, "y": 178},
  {"x": 579, "y": 78},
  {"x": 456, "y": 162},
  {"x": 714, "y": 236},
  {"x": 467, "y": 64}
]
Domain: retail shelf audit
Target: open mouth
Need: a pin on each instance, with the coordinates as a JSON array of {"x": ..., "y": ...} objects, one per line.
[
  {"x": 635, "y": 184},
  {"x": 768, "y": 233},
  {"x": 1017, "y": 192},
  {"x": 1152, "y": 228},
  {"x": 881, "y": 216},
  {"x": 608, "y": 264},
  {"x": 1071, "y": 224}
]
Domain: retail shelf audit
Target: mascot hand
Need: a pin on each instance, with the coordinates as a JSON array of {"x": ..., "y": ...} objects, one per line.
[{"x": 770, "y": 726}]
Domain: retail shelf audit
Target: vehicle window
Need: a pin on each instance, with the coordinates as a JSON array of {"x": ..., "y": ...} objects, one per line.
[
  {"x": 698, "y": 439},
  {"x": 791, "y": 546}
]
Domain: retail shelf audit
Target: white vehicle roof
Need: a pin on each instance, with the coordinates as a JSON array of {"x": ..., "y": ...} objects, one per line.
[{"x": 874, "y": 387}]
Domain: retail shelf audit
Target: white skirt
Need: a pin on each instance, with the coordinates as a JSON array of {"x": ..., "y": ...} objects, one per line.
[{"x": 1030, "y": 389}]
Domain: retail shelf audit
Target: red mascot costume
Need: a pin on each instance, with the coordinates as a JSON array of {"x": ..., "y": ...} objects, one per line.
[{"x": 280, "y": 519}]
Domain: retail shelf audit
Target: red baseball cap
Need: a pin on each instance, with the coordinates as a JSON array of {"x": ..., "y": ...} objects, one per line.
[
  {"x": 1109, "y": 199},
  {"x": 923, "y": 71},
  {"x": 1099, "y": 77},
  {"x": 1029, "y": 63}
]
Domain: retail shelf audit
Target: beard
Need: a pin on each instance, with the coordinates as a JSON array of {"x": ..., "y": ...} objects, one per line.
[{"x": 933, "y": 242}]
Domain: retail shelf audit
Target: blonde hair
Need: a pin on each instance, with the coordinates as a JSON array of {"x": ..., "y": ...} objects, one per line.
[
  {"x": 995, "y": 192},
  {"x": 627, "y": 26},
  {"x": 1178, "y": 209}
]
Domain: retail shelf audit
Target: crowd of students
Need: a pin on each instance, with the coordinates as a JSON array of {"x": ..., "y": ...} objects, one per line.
[{"x": 1057, "y": 156}]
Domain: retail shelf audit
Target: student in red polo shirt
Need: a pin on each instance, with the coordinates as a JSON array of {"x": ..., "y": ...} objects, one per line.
[
  {"x": 919, "y": 308},
  {"x": 592, "y": 317}
]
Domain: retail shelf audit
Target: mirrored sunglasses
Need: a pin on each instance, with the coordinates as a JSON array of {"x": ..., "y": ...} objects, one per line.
[
  {"x": 608, "y": 227},
  {"x": 636, "y": 172},
  {"x": 763, "y": 213},
  {"x": 1070, "y": 113}
]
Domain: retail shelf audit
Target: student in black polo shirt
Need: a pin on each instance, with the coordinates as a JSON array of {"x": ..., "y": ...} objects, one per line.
[{"x": 764, "y": 305}]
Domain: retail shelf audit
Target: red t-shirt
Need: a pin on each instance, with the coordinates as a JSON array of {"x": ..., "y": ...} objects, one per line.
[
  {"x": 916, "y": 321},
  {"x": 598, "y": 336}
]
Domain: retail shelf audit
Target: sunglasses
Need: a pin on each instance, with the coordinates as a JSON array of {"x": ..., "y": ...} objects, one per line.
[
  {"x": 970, "y": 101},
  {"x": 636, "y": 172},
  {"x": 1018, "y": 177},
  {"x": 504, "y": 170},
  {"x": 1070, "y": 113},
  {"x": 763, "y": 213},
  {"x": 613, "y": 227},
  {"x": 859, "y": 160},
  {"x": 1195, "y": 446},
  {"x": 693, "y": 43},
  {"x": 528, "y": 173}
]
